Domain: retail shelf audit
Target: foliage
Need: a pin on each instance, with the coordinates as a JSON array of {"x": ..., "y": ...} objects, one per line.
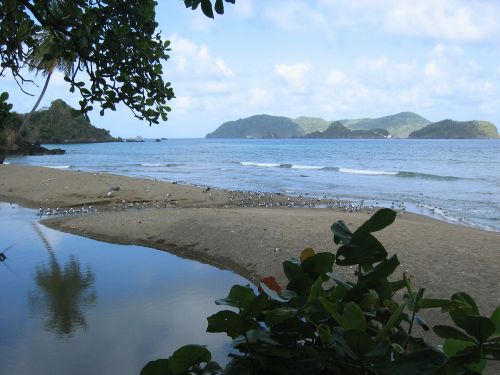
[
  {"x": 60, "y": 123},
  {"x": 206, "y": 6},
  {"x": 323, "y": 324},
  {"x": 8, "y": 119},
  {"x": 114, "y": 43},
  {"x": 457, "y": 130}
]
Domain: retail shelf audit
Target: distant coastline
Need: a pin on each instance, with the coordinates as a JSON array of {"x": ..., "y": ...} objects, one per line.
[{"x": 400, "y": 125}]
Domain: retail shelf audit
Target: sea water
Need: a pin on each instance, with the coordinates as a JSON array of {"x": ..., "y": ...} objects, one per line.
[
  {"x": 72, "y": 305},
  {"x": 451, "y": 180}
]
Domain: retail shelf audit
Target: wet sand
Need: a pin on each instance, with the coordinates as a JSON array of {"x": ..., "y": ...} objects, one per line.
[{"x": 219, "y": 227}]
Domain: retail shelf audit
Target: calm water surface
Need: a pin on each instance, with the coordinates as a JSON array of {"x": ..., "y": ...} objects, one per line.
[
  {"x": 72, "y": 305},
  {"x": 452, "y": 180}
]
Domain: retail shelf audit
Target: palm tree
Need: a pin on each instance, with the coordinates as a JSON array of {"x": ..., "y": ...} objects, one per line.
[
  {"x": 47, "y": 58},
  {"x": 66, "y": 291}
]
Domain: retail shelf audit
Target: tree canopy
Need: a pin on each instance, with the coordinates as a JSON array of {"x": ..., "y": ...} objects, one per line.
[{"x": 113, "y": 43}]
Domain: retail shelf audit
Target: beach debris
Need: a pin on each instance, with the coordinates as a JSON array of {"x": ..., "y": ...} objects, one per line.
[{"x": 3, "y": 257}]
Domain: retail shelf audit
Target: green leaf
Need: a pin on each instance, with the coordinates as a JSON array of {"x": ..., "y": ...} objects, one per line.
[
  {"x": 468, "y": 303},
  {"x": 391, "y": 322},
  {"x": 427, "y": 361},
  {"x": 479, "y": 326},
  {"x": 379, "y": 220},
  {"x": 495, "y": 318},
  {"x": 382, "y": 270},
  {"x": 226, "y": 322},
  {"x": 319, "y": 265},
  {"x": 464, "y": 353},
  {"x": 353, "y": 317},
  {"x": 359, "y": 342},
  {"x": 341, "y": 233},
  {"x": 279, "y": 315},
  {"x": 206, "y": 7},
  {"x": 432, "y": 303},
  {"x": 239, "y": 296},
  {"x": 316, "y": 290},
  {"x": 447, "y": 332},
  {"x": 259, "y": 304},
  {"x": 332, "y": 308},
  {"x": 492, "y": 349},
  {"x": 293, "y": 270},
  {"x": 158, "y": 367},
  {"x": 187, "y": 356},
  {"x": 364, "y": 248},
  {"x": 219, "y": 6}
]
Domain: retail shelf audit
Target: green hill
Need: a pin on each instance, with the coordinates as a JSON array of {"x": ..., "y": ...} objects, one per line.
[
  {"x": 399, "y": 125},
  {"x": 450, "y": 129},
  {"x": 60, "y": 123},
  {"x": 338, "y": 131},
  {"x": 259, "y": 126},
  {"x": 312, "y": 124}
]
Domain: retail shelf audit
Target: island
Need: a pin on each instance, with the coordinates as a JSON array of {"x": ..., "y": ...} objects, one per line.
[
  {"x": 259, "y": 126},
  {"x": 449, "y": 129}
]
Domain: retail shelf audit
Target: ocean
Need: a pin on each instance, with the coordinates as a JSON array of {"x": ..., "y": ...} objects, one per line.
[{"x": 452, "y": 180}]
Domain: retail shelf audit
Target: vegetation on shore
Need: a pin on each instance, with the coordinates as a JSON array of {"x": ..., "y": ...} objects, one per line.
[
  {"x": 457, "y": 130},
  {"x": 61, "y": 123},
  {"x": 323, "y": 324}
]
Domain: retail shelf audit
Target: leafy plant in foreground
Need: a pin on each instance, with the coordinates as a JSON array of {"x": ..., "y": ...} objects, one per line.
[{"x": 323, "y": 324}]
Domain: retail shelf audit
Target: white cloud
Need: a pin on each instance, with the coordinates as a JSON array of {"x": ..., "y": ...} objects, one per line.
[
  {"x": 192, "y": 58},
  {"x": 383, "y": 71},
  {"x": 295, "y": 16},
  {"x": 458, "y": 20},
  {"x": 336, "y": 77},
  {"x": 294, "y": 74},
  {"x": 244, "y": 8},
  {"x": 431, "y": 70}
]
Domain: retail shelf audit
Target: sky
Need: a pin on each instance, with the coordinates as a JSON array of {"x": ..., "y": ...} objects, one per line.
[{"x": 322, "y": 58}]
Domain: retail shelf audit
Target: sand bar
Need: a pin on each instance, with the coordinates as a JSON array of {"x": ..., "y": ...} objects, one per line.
[{"x": 252, "y": 241}]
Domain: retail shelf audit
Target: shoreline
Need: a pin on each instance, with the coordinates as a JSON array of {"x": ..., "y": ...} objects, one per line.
[{"x": 192, "y": 222}]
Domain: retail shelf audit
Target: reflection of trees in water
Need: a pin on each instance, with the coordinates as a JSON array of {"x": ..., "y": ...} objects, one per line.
[{"x": 63, "y": 294}]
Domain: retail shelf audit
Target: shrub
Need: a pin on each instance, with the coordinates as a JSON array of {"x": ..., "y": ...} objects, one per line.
[{"x": 323, "y": 324}]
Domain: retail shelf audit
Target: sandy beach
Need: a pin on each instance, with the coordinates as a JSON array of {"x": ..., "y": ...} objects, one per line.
[{"x": 209, "y": 225}]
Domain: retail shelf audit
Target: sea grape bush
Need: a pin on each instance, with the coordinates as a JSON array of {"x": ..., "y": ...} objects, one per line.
[{"x": 323, "y": 324}]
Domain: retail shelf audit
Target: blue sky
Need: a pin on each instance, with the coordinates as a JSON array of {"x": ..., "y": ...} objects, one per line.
[{"x": 325, "y": 58}]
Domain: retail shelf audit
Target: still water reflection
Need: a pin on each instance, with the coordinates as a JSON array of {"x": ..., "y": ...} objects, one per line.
[{"x": 69, "y": 304}]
